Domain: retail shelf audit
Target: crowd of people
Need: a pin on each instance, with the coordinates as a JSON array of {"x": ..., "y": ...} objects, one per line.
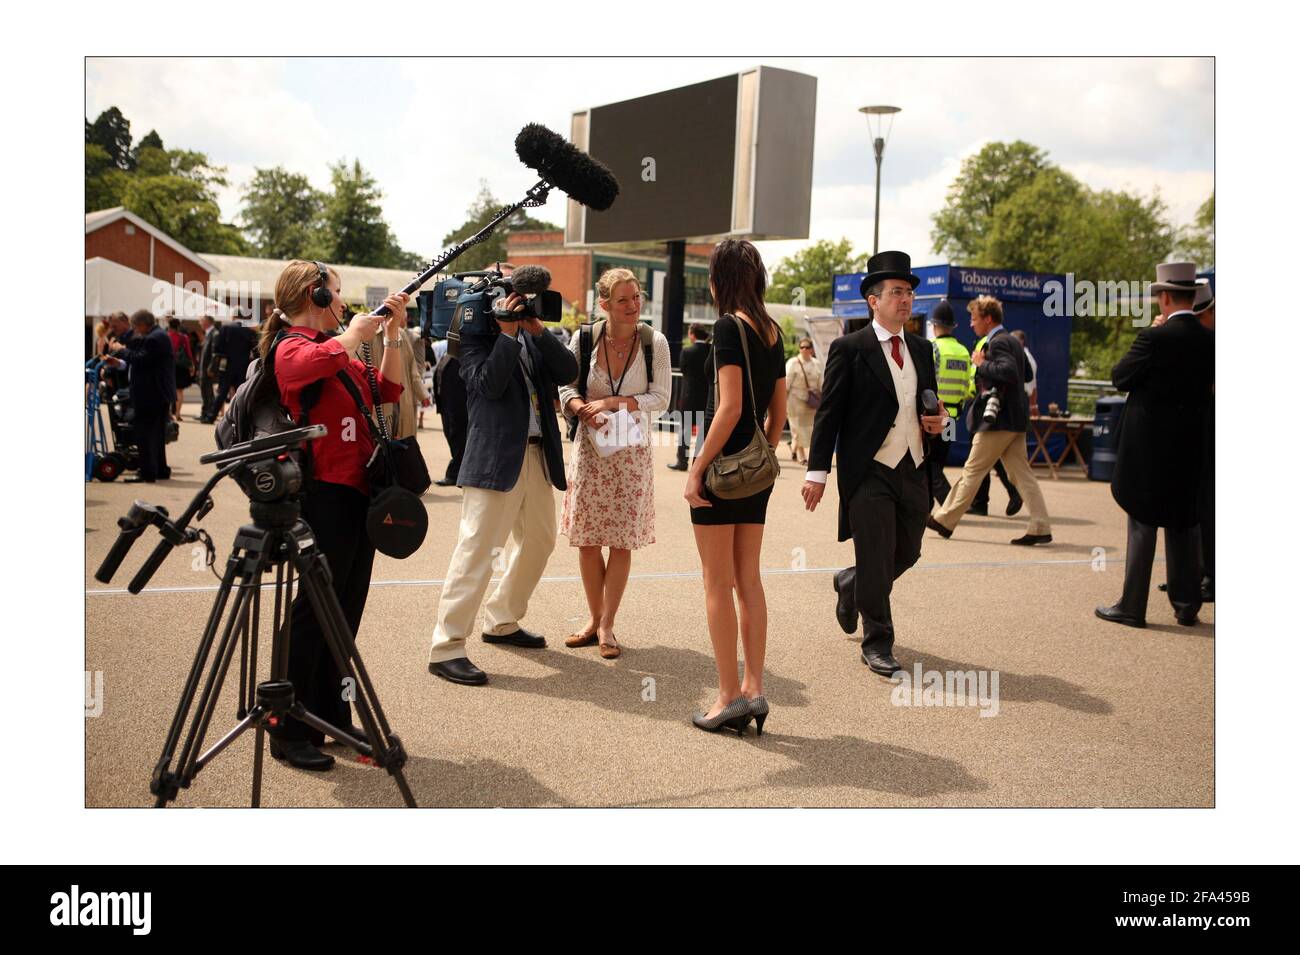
[{"x": 865, "y": 410}]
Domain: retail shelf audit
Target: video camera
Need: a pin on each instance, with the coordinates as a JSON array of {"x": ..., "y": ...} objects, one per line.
[{"x": 469, "y": 303}]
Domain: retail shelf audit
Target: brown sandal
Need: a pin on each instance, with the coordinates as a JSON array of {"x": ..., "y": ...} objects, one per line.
[
  {"x": 582, "y": 639},
  {"x": 609, "y": 651}
]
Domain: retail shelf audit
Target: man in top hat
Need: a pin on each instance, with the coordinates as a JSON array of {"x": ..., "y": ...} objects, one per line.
[
  {"x": 871, "y": 422},
  {"x": 1203, "y": 308},
  {"x": 1161, "y": 459}
]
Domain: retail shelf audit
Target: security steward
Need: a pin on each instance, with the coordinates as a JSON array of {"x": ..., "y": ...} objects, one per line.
[{"x": 952, "y": 370}]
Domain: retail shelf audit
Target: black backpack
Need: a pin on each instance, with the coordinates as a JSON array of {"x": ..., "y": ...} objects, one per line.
[{"x": 255, "y": 409}]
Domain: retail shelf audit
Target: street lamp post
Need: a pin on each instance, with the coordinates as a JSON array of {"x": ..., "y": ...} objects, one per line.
[{"x": 879, "y": 136}]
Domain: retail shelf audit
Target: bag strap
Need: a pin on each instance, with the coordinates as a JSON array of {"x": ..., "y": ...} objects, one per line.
[
  {"x": 648, "y": 348},
  {"x": 744, "y": 347}
]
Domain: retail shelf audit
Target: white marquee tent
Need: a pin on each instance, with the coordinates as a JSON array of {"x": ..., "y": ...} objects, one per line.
[{"x": 111, "y": 287}]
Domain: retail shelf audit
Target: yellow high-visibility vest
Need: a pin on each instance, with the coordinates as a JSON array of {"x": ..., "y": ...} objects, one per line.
[{"x": 952, "y": 368}]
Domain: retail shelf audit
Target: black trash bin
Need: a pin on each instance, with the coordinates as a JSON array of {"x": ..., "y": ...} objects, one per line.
[{"x": 1105, "y": 435}]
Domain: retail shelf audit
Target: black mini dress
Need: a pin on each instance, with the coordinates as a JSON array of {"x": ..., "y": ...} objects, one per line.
[{"x": 768, "y": 366}]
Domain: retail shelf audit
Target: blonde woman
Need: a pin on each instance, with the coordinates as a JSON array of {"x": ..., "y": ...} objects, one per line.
[
  {"x": 610, "y": 499},
  {"x": 803, "y": 375}
]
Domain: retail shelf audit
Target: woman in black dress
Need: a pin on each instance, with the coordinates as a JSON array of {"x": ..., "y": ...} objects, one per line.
[{"x": 729, "y": 533}]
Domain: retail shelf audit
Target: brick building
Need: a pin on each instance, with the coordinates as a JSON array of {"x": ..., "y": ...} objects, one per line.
[
  {"x": 574, "y": 270},
  {"x": 125, "y": 238}
]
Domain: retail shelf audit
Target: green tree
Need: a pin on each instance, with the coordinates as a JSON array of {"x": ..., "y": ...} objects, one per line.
[
  {"x": 1196, "y": 242},
  {"x": 493, "y": 249},
  {"x": 111, "y": 131},
  {"x": 813, "y": 269},
  {"x": 354, "y": 229},
  {"x": 987, "y": 179},
  {"x": 151, "y": 141},
  {"x": 1031, "y": 228},
  {"x": 282, "y": 215},
  {"x": 105, "y": 183},
  {"x": 186, "y": 210}
]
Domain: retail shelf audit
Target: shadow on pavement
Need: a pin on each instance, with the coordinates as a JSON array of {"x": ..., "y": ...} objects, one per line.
[{"x": 1032, "y": 688}]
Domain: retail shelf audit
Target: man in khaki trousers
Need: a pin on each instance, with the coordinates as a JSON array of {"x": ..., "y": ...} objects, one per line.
[
  {"x": 1001, "y": 374},
  {"x": 513, "y": 459}
]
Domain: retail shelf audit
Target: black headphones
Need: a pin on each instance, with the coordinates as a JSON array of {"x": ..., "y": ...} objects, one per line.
[{"x": 321, "y": 296}]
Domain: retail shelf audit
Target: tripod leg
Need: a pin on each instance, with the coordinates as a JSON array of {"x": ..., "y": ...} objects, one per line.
[
  {"x": 163, "y": 785},
  {"x": 386, "y": 748}
]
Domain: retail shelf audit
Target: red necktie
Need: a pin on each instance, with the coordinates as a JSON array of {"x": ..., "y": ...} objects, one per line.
[{"x": 896, "y": 344}]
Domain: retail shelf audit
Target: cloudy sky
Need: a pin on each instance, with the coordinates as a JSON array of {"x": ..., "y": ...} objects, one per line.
[{"x": 429, "y": 130}]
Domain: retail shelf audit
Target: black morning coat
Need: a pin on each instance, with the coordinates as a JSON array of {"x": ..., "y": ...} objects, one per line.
[
  {"x": 1162, "y": 448},
  {"x": 498, "y": 407},
  {"x": 859, "y": 404},
  {"x": 153, "y": 369}
]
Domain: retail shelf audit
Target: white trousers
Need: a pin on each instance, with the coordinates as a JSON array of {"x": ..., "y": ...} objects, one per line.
[{"x": 524, "y": 516}]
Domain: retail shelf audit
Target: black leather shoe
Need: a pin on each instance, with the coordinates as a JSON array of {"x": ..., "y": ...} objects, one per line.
[
  {"x": 1187, "y": 619},
  {"x": 678, "y": 466},
  {"x": 1014, "y": 505},
  {"x": 520, "y": 638},
  {"x": 1116, "y": 615},
  {"x": 934, "y": 525},
  {"x": 1163, "y": 588},
  {"x": 1029, "y": 540},
  {"x": 301, "y": 755},
  {"x": 846, "y": 611},
  {"x": 139, "y": 480},
  {"x": 880, "y": 661},
  {"x": 460, "y": 671},
  {"x": 445, "y": 482},
  {"x": 979, "y": 510}
]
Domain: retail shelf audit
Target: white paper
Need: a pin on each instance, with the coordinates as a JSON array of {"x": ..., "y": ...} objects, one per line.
[{"x": 620, "y": 431}]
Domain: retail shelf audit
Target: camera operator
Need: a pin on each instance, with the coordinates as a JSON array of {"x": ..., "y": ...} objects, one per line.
[
  {"x": 148, "y": 354},
  {"x": 513, "y": 457},
  {"x": 336, "y": 494}
]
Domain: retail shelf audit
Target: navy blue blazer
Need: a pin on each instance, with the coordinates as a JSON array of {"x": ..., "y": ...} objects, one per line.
[
  {"x": 498, "y": 407},
  {"x": 153, "y": 368}
]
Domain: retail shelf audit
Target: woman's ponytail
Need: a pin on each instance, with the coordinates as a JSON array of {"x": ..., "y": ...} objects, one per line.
[{"x": 270, "y": 328}]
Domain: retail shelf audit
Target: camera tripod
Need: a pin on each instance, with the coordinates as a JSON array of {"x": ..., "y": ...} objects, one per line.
[{"x": 279, "y": 540}]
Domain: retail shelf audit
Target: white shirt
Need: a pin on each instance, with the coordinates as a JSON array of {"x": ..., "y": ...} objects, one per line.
[
  {"x": 906, "y": 434},
  {"x": 534, "y": 420}
]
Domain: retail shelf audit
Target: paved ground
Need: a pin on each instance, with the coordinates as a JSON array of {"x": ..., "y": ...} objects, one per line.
[{"x": 1088, "y": 713}]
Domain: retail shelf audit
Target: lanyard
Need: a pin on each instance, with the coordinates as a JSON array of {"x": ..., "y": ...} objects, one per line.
[{"x": 604, "y": 342}]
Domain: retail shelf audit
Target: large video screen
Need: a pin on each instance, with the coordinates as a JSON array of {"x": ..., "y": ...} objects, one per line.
[{"x": 674, "y": 156}]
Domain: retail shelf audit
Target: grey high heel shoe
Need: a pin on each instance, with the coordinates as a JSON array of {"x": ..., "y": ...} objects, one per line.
[
  {"x": 735, "y": 716},
  {"x": 758, "y": 709}
]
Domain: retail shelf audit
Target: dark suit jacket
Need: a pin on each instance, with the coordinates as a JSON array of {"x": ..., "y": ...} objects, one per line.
[
  {"x": 498, "y": 407},
  {"x": 236, "y": 343},
  {"x": 697, "y": 377},
  {"x": 1161, "y": 459},
  {"x": 859, "y": 404},
  {"x": 449, "y": 388},
  {"x": 1006, "y": 369},
  {"x": 153, "y": 369}
]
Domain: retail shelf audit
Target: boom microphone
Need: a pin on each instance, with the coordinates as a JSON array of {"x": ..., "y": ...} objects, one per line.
[
  {"x": 530, "y": 279},
  {"x": 566, "y": 167}
]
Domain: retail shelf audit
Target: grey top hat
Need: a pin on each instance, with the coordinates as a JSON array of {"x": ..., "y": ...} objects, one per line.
[
  {"x": 1204, "y": 296},
  {"x": 1175, "y": 277}
]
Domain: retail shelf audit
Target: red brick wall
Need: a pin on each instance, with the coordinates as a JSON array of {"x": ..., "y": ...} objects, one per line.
[
  {"x": 168, "y": 263},
  {"x": 111, "y": 242},
  {"x": 570, "y": 274}
]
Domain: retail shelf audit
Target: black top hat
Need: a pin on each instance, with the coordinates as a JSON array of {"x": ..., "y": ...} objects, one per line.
[{"x": 888, "y": 265}]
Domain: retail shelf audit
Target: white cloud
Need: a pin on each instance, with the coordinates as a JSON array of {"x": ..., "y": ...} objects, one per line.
[{"x": 429, "y": 130}]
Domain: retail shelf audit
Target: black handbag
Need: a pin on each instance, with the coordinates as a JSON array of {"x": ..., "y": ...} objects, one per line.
[{"x": 396, "y": 520}]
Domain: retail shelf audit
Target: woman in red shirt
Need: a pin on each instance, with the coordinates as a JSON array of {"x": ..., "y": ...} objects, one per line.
[
  {"x": 336, "y": 493},
  {"x": 184, "y": 356}
]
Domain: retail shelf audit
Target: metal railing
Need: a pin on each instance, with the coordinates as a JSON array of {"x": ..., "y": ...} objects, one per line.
[{"x": 1082, "y": 394}]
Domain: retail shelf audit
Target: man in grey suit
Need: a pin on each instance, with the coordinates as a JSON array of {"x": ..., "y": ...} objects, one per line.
[{"x": 513, "y": 459}]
